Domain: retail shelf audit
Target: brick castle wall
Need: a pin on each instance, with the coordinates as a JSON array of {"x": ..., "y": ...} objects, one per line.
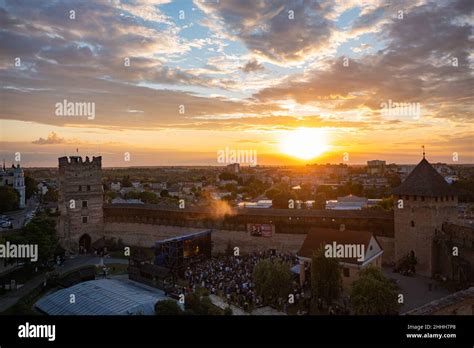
[{"x": 80, "y": 181}]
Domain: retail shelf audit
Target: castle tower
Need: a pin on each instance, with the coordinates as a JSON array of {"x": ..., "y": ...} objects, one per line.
[
  {"x": 80, "y": 202},
  {"x": 423, "y": 202}
]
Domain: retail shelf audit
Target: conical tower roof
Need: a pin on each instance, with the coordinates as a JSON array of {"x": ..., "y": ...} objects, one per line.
[{"x": 424, "y": 180}]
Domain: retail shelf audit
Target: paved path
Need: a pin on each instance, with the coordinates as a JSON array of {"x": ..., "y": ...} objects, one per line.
[
  {"x": 219, "y": 302},
  {"x": 12, "y": 297},
  {"x": 415, "y": 289}
]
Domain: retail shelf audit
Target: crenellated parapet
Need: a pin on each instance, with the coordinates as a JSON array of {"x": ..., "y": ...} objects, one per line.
[{"x": 75, "y": 162}]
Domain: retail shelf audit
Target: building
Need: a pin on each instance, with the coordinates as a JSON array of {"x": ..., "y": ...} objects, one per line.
[
  {"x": 15, "y": 178},
  {"x": 349, "y": 202},
  {"x": 119, "y": 200},
  {"x": 115, "y": 186},
  {"x": 260, "y": 204},
  {"x": 80, "y": 202},
  {"x": 351, "y": 266},
  {"x": 423, "y": 202},
  {"x": 42, "y": 188},
  {"x": 233, "y": 168},
  {"x": 376, "y": 167}
]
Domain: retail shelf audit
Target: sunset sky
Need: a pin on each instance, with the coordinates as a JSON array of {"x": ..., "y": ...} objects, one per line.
[{"x": 251, "y": 75}]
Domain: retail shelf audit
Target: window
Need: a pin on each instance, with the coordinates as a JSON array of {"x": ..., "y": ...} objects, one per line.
[
  {"x": 412, "y": 223},
  {"x": 80, "y": 188},
  {"x": 422, "y": 198},
  {"x": 85, "y": 219},
  {"x": 88, "y": 187},
  {"x": 436, "y": 199},
  {"x": 84, "y": 204},
  {"x": 407, "y": 198},
  {"x": 346, "y": 272},
  {"x": 414, "y": 198}
]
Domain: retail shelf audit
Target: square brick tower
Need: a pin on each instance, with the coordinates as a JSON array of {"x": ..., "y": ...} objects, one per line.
[
  {"x": 427, "y": 201},
  {"x": 80, "y": 202}
]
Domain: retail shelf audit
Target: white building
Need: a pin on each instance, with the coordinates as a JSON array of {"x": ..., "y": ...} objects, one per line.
[
  {"x": 264, "y": 203},
  {"x": 347, "y": 203},
  {"x": 115, "y": 186},
  {"x": 15, "y": 178}
]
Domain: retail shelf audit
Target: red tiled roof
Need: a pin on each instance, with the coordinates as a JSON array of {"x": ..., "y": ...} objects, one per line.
[{"x": 318, "y": 237}]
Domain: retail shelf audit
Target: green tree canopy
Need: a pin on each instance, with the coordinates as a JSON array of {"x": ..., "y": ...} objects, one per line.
[
  {"x": 9, "y": 198},
  {"x": 42, "y": 231},
  {"x": 52, "y": 195},
  {"x": 30, "y": 186},
  {"x": 273, "y": 280},
  {"x": 374, "y": 294},
  {"x": 326, "y": 280},
  {"x": 167, "y": 307}
]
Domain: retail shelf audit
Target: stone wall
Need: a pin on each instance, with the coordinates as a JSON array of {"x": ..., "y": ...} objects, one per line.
[
  {"x": 80, "y": 195},
  {"x": 145, "y": 235},
  {"x": 415, "y": 225}
]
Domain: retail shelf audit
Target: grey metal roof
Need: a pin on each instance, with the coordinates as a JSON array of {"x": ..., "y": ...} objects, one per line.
[{"x": 103, "y": 297}]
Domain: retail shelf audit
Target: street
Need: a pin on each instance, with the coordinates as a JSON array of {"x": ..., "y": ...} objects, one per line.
[{"x": 19, "y": 217}]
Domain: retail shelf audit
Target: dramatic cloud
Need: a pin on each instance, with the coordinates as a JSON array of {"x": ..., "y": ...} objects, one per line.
[
  {"x": 244, "y": 66},
  {"x": 252, "y": 66},
  {"x": 52, "y": 138},
  {"x": 278, "y": 30},
  {"x": 432, "y": 68}
]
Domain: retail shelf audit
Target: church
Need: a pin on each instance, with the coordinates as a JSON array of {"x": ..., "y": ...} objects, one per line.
[{"x": 15, "y": 178}]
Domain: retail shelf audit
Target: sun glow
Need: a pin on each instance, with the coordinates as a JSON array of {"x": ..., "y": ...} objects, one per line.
[{"x": 304, "y": 143}]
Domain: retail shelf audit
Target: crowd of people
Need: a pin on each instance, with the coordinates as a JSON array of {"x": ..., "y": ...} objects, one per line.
[{"x": 232, "y": 277}]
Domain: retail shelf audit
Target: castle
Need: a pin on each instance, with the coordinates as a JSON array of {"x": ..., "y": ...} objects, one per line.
[
  {"x": 423, "y": 203},
  {"x": 15, "y": 178},
  {"x": 423, "y": 222},
  {"x": 80, "y": 202}
]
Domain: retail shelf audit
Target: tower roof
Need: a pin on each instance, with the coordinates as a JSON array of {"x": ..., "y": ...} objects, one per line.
[{"x": 424, "y": 180}]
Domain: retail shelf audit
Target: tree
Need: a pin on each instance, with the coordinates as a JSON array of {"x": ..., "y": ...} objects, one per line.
[
  {"x": 164, "y": 193},
  {"x": 281, "y": 200},
  {"x": 271, "y": 193},
  {"x": 273, "y": 280},
  {"x": 9, "y": 198},
  {"x": 200, "y": 305},
  {"x": 228, "y": 176},
  {"x": 326, "y": 280},
  {"x": 167, "y": 307},
  {"x": 374, "y": 294},
  {"x": 320, "y": 201},
  {"x": 42, "y": 232},
  {"x": 30, "y": 186},
  {"x": 126, "y": 182},
  {"x": 52, "y": 195}
]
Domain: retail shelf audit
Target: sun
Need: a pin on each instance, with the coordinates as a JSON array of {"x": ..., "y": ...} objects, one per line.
[{"x": 304, "y": 143}]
